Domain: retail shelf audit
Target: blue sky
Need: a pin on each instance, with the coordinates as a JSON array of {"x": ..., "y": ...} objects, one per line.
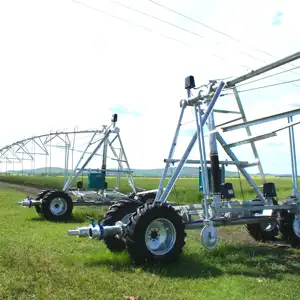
[{"x": 64, "y": 64}]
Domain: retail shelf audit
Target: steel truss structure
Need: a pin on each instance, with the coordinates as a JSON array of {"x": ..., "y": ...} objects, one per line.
[
  {"x": 58, "y": 205},
  {"x": 154, "y": 232}
]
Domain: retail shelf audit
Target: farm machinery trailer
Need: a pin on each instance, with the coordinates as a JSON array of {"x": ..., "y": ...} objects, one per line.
[
  {"x": 155, "y": 231},
  {"x": 57, "y": 205}
]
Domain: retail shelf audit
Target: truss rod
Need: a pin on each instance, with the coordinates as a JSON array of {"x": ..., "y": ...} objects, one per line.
[{"x": 262, "y": 120}]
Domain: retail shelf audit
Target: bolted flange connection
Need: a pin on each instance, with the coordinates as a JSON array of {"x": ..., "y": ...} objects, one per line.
[{"x": 29, "y": 202}]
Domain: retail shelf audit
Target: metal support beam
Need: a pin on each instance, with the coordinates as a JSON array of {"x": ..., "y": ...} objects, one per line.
[
  {"x": 293, "y": 158},
  {"x": 194, "y": 161},
  {"x": 171, "y": 153},
  {"x": 251, "y": 140},
  {"x": 264, "y": 69},
  {"x": 242, "y": 170},
  {"x": 254, "y": 150},
  {"x": 262, "y": 120},
  {"x": 179, "y": 168},
  {"x": 71, "y": 180}
]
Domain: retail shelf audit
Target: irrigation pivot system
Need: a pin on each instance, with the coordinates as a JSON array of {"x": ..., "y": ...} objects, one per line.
[
  {"x": 155, "y": 231},
  {"x": 57, "y": 205}
]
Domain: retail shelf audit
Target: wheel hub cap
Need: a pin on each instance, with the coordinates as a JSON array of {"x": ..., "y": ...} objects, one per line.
[
  {"x": 296, "y": 227},
  {"x": 209, "y": 237},
  {"x": 160, "y": 236},
  {"x": 268, "y": 226},
  {"x": 58, "y": 206}
]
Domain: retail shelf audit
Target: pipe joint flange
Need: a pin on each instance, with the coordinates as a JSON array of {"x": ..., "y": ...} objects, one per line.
[{"x": 123, "y": 229}]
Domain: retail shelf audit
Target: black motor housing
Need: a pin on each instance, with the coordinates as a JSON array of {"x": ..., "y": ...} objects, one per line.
[{"x": 269, "y": 189}]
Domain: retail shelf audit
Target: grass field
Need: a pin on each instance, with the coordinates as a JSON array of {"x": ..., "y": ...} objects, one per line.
[
  {"x": 185, "y": 191},
  {"x": 39, "y": 261}
]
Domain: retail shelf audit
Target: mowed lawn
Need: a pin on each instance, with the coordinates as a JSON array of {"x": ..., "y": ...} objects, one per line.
[{"x": 39, "y": 261}]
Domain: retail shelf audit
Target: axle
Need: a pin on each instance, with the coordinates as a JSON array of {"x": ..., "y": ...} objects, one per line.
[
  {"x": 29, "y": 202},
  {"x": 100, "y": 232}
]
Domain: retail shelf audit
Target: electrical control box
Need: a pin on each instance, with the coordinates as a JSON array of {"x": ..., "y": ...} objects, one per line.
[{"x": 96, "y": 181}]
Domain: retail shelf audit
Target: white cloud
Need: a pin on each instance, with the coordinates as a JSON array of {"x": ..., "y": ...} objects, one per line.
[{"x": 65, "y": 65}]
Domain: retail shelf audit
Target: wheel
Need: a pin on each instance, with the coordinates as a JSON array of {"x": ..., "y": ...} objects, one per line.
[
  {"x": 40, "y": 196},
  {"x": 155, "y": 234},
  {"x": 266, "y": 231},
  {"x": 119, "y": 211},
  {"x": 148, "y": 198},
  {"x": 57, "y": 206},
  {"x": 286, "y": 230}
]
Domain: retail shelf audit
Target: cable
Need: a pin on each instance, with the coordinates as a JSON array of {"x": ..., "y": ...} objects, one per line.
[
  {"x": 127, "y": 21},
  {"x": 158, "y": 19},
  {"x": 187, "y": 30},
  {"x": 174, "y": 25},
  {"x": 265, "y": 77},
  {"x": 148, "y": 29},
  {"x": 218, "y": 31},
  {"x": 265, "y": 86}
]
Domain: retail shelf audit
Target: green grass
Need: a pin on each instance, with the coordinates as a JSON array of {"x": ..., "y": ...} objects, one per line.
[
  {"x": 185, "y": 191},
  {"x": 39, "y": 261}
]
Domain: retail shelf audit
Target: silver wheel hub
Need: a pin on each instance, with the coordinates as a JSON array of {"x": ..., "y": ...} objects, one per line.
[
  {"x": 160, "y": 236},
  {"x": 296, "y": 227},
  {"x": 209, "y": 237},
  {"x": 125, "y": 219},
  {"x": 58, "y": 206},
  {"x": 268, "y": 226}
]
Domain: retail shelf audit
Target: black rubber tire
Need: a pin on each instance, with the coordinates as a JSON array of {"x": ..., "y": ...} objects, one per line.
[
  {"x": 286, "y": 230},
  {"x": 115, "y": 213},
  {"x": 148, "y": 197},
  {"x": 48, "y": 198},
  {"x": 259, "y": 234},
  {"x": 40, "y": 196},
  {"x": 135, "y": 233}
]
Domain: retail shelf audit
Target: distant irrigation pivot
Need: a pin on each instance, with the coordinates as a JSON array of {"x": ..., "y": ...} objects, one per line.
[{"x": 29, "y": 149}]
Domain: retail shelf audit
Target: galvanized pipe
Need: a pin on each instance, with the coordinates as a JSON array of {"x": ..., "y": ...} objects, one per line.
[
  {"x": 179, "y": 168},
  {"x": 264, "y": 69},
  {"x": 29, "y": 203},
  {"x": 293, "y": 157},
  {"x": 101, "y": 232},
  {"x": 80, "y": 231},
  {"x": 222, "y": 222},
  {"x": 174, "y": 143}
]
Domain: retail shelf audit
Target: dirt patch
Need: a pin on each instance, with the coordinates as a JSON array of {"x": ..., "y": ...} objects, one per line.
[{"x": 29, "y": 190}]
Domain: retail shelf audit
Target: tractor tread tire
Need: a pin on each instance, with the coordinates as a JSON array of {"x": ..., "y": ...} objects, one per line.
[
  {"x": 40, "y": 196},
  {"x": 260, "y": 235},
  {"x": 116, "y": 212},
  {"x": 46, "y": 206},
  {"x": 135, "y": 233},
  {"x": 287, "y": 234}
]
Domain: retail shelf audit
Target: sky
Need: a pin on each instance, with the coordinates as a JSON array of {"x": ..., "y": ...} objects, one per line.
[{"x": 67, "y": 63}]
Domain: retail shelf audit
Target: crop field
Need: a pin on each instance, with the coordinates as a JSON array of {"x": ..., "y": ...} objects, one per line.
[{"x": 39, "y": 261}]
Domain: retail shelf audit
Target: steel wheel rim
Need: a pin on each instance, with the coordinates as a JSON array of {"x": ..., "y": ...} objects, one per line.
[
  {"x": 125, "y": 219},
  {"x": 160, "y": 236},
  {"x": 58, "y": 206},
  {"x": 269, "y": 226}
]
